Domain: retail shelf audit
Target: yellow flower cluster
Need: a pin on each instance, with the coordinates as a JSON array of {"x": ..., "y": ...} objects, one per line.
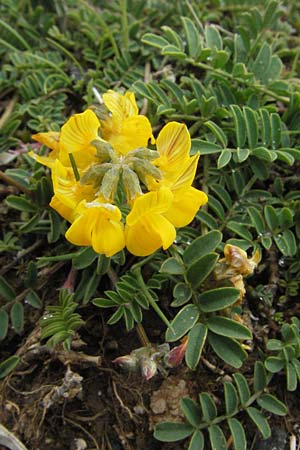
[{"x": 114, "y": 190}]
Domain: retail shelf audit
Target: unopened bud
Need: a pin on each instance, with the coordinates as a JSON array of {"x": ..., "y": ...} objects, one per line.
[
  {"x": 145, "y": 169},
  {"x": 105, "y": 152},
  {"x": 148, "y": 367},
  {"x": 94, "y": 175},
  {"x": 128, "y": 362},
  {"x": 110, "y": 182},
  {"x": 144, "y": 153},
  {"x": 131, "y": 184},
  {"x": 175, "y": 357}
]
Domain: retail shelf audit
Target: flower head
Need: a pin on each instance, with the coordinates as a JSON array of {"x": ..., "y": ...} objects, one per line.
[{"x": 100, "y": 166}]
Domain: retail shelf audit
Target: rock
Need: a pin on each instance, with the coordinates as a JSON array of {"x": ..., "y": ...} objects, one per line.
[{"x": 278, "y": 441}]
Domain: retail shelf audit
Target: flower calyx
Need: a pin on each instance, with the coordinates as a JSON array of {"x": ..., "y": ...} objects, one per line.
[{"x": 132, "y": 169}]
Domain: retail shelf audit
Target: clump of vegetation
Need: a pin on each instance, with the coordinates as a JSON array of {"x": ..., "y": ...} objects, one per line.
[{"x": 161, "y": 287}]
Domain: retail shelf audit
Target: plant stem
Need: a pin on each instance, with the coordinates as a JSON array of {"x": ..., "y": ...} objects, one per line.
[
  {"x": 227, "y": 75},
  {"x": 142, "y": 262},
  {"x": 142, "y": 335},
  {"x": 67, "y": 53},
  {"x": 15, "y": 183},
  {"x": 140, "y": 280},
  {"x": 124, "y": 23}
]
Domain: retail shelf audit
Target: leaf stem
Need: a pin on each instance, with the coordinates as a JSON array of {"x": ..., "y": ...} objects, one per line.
[
  {"x": 140, "y": 280},
  {"x": 99, "y": 18},
  {"x": 227, "y": 75},
  {"x": 15, "y": 183},
  {"x": 124, "y": 23},
  {"x": 142, "y": 262},
  {"x": 142, "y": 335}
]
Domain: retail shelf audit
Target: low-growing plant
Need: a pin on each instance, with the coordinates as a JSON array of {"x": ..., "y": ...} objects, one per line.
[{"x": 120, "y": 200}]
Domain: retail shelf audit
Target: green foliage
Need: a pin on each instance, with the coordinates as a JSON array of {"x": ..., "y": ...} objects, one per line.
[
  {"x": 60, "y": 322},
  {"x": 128, "y": 299},
  {"x": 8, "y": 365},
  {"x": 285, "y": 354},
  {"x": 229, "y": 72},
  {"x": 238, "y": 400}
]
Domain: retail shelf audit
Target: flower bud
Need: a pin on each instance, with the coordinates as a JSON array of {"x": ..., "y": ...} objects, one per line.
[
  {"x": 145, "y": 170},
  {"x": 144, "y": 153},
  {"x": 110, "y": 182},
  {"x": 148, "y": 367},
  {"x": 175, "y": 356},
  {"x": 105, "y": 152},
  {"x": 131, "y": 184},
  {"x": 94, "y": 175},
  {"x": 128, "y": 362}
]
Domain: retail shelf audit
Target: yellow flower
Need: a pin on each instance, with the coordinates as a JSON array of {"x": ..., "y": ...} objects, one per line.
[
  {"x": 173, "y": 145},
  {"x": 146, "y": 227},
  {"x": 93, "y": 158},
  {"x": 78, "y": 132},
  {"x": 50, "y": 139},
  {"x": 98, "y": 225},
  {"x": 75, "y": 137},
  {"x": 185, "y": 206},
  {"x": 178, "y": 172},
  {"x": 186, "y": 199},
  {"x": 68, "y": 192},
  {"x": 125, "y": 130},
  {"x": 63, "y": 210}
]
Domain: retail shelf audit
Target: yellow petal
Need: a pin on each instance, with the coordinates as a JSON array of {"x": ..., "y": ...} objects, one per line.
[
  {"x": 79, "y": 131},
  {"x": 186, "y": 177},
  {"x": 149, "y": 234},
  {"x": 98, "y": 225},
  {"x": 185, "y": 206},
  {"x": 108, "y": 237},
  {"x": 121, "y": 106},
  {"x": 126, "y": 135},
  {"x": 63, "y": 210},
  {"x": 80, "y": 232},
  {"x": 50, "y": 139},
  {"x": 47, "y": 161},
  {"x": 125, "y": 130},
  {"x": 69, "y": 191},
  {"x": 146, "y": 228},
  {"x": 173, "y": 145},
  {"x": 157, "y": 202}
]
